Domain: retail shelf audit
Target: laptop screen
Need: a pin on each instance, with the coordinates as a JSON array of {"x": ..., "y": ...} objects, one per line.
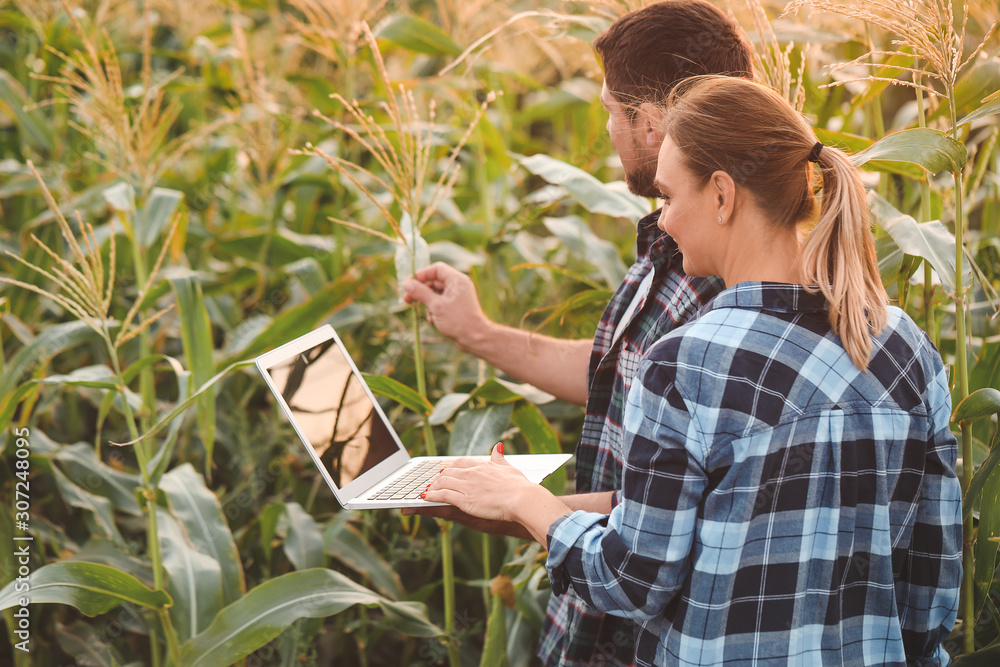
[{"x": 334, "y": 411}]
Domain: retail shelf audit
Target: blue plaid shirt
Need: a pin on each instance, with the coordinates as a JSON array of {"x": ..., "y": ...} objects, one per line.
[
  {"x": 574, "y": 633},
  {"x": 779, "y": 506}
]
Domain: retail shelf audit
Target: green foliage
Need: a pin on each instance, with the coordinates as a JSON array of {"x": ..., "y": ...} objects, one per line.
[
  {"x": 931, "y": 149},
  {"x": 478, "y": 430},
  {"x": 399, "y": 392},
  {"x": 416, "y": 34},
  {"x": 260, "y": 615},
  {"x": 167, "y": 490},
  {"x": 90, "y": 587},
  {"x": 198, "y": 510}
]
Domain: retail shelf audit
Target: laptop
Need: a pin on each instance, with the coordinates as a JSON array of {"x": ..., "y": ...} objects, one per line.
[{"x": 347, "y": 434}]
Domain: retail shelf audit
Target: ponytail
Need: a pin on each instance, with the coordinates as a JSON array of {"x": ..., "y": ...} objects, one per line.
[
  {"x": 753, "y": 134},
  {"x": 839, "y": 257}
]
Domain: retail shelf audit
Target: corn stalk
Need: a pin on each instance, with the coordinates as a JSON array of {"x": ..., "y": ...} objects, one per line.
[
  {"x": 85, "y": 289},
  {"x": 405, "y": 156}
]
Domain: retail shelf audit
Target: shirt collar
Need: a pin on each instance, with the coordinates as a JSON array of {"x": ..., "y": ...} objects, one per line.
[
  {"x": 653, "y": 243},
  {"x": 777, "y": 297}
]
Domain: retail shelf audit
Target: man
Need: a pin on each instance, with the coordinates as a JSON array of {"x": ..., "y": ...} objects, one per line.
[{"x": 644, "y": 53}]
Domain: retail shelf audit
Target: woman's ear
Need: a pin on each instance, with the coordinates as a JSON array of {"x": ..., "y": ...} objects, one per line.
[
  {"x": 649, "y": 120},
  {"x": 723, "y": 189}
]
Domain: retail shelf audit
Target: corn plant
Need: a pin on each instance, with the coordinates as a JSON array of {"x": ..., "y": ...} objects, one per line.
[
  {"x": 409, "y": 175},
  {"x": 160, "y": 134},
  {"x": 199, "y": 609},
  {"x": 934, "y": 40}
]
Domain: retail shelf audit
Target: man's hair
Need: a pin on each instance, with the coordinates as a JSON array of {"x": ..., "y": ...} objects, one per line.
[{"x": 647, "y": 51}]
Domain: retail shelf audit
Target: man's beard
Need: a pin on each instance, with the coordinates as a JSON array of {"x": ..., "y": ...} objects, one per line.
[{"x": 640, "y": 177}]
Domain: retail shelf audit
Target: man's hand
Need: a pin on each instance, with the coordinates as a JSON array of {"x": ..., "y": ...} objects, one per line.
[
  {"x": 451, "y": 301},
  {"x": 554, "y": 365}
]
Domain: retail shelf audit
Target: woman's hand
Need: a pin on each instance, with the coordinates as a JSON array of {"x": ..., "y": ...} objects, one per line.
[
  {"x": 485, "y": 489},
  {"x": 497, "y": 491}
]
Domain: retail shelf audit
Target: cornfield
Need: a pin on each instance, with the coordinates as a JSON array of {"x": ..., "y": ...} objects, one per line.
[{"x": 186, "y": 184}]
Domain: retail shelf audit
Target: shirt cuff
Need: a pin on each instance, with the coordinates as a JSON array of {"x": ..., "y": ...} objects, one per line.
[{"x": 562, "y": 538}]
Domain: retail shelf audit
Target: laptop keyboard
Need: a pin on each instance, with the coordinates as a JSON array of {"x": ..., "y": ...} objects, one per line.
[{"x": 411, "y": 484}]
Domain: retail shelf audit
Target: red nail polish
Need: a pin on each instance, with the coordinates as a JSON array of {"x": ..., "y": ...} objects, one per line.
[
  {"x": 423, "y": 495},
  {"x": 500, "y": 448}
]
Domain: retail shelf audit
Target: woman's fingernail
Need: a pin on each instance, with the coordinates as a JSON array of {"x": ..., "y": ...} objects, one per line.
[
  {"x": 500, "y": 447},
  {"x": 423, "y": 495}
]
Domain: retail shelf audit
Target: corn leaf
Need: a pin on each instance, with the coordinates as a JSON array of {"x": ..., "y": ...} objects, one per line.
[
  {"x": 121, "y": 198},
  {"x": 194, "y": 579},
  {"x": 595, "y": 196},
  {"x": 541, "y": 439},
  {"x": 928, "y": 240},
  {"x": 183, "y": 405},
  {"x": 88, "y": 645},
  {"x": 156, "y": 214},
  {"x": 416, "y": 34},
  {"x": 477, "y": 431},
  {"x": 574, "y": 233},
  {"x": 90, "y": 587},
  {"x": 81, "y": 465},
  {"x": 446, "y": 407},
  {"x": 982, "y": 475},
  {"x": 989, "y": 529},
  {"x": 986, "y": 372},
  {"x": 345, "y": 543},
  {"x": 978, "y": 404},
  {"x": 267, "y": 521},
  {"x": 37, "y": 130},
  {"x": 98, "y": 550},
  {"x": 196, "y": 334},
  {"x": 399, "y": 392},
  {"x": 296, "y": 321},
  {"x": 854, "y": 143},
  {"x": 528, "y": 391},
  {"x": 492, "y": 391},
  {"x": 984, "y": 111},
  {"x": 931, "y": 149},
  {"x": 264, "y": 612},
  {"x": 165, "y": 452},
  {"x": 199, "y": 511},
  {"x": 283, "y": 247},
  {"x": 50, "y": 342},
  {"x": 304, "y": 542},
  {"x": 100, "y": 508}
]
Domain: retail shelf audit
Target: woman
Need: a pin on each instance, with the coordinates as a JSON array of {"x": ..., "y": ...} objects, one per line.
[{"x": 789, "y": 494}]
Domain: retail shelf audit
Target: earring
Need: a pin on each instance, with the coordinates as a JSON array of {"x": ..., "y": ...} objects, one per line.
[{"x": 720, "y": 220}]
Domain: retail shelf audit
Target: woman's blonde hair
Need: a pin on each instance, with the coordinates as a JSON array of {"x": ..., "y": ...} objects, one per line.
[{"x": 748, "y": 131}]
